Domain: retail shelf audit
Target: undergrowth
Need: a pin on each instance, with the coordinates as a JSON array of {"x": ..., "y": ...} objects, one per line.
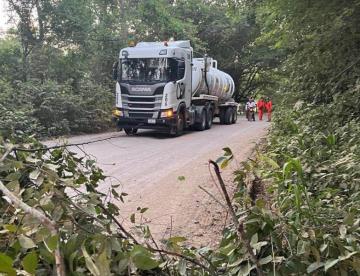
[{"x": 307, "y": 221}]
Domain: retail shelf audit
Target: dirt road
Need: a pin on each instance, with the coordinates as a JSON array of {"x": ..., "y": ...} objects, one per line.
[{"x": 148, "y": 167}]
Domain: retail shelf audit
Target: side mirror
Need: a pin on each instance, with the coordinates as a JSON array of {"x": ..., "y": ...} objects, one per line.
[{"x": 115, "y": 70}]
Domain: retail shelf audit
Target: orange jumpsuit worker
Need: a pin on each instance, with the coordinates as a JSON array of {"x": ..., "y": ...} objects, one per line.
[
  {"x": 268, "y": 106},
  {"x": 261, "y": 108}
]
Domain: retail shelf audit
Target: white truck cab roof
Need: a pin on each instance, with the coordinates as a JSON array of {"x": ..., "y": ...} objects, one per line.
[{"x": 168, "y": 49}]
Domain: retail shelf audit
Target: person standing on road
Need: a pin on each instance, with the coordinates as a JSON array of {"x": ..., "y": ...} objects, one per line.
[
  {"x": 246, "y": 108},
  {"x": 268, "y": 106},
  {"x": 250, "y": 109},
  {"x": 261, "y": 108}
]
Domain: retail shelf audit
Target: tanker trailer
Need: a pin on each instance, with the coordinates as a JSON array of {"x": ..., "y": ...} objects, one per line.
[{"x": 161, "y": 86}]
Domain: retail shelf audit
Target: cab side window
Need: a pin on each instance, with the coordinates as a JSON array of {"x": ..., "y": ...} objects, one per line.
[{"x": 181, "y": 69}]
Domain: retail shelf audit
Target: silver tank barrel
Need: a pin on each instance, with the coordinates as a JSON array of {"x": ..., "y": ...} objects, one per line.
[{"x": 218, "y": 84}]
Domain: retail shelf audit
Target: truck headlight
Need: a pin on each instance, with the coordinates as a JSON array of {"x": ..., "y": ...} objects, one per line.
[
  {"x": 167, "y": 113},
  {"x": 117, "y": 113}
]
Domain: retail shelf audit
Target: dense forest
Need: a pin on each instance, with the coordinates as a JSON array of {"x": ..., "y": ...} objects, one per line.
[
  {"x": 297, "y": 205},
  {"x": 56, "y": 63}
]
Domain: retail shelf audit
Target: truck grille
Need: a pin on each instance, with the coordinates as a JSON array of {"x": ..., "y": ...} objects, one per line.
[{"x": 140, "y": 106}]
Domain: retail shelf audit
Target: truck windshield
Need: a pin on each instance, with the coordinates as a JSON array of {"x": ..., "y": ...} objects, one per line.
[{"x": 146, "y": 70}]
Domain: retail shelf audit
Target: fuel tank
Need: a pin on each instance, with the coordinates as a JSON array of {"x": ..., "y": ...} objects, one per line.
[{"x": 218, "y": 83}]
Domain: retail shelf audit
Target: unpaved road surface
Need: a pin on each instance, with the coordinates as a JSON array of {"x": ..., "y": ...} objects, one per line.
[{"x": 148, "y": 167}]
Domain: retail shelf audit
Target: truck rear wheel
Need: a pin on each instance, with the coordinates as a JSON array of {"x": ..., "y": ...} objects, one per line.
[
  {"x": 235, "y": 115},
  {"x": 209, "y": 118},
  {"x": 222, "y": 116},
  {"x": 229, "y": 115},
  {"x": 202, "y": 124}
]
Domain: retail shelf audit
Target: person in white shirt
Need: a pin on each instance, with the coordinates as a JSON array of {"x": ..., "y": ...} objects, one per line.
[{"x": 250, "y": 109}]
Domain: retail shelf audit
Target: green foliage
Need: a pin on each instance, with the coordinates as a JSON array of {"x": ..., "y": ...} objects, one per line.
[
  {"x": 63, "y": 186},
  {"x": 49, "y": 109},
  {"x": 10, "y": 62}
]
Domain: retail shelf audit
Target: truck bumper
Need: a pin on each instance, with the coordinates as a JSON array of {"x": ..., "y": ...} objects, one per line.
[{"x": 145, "y": 123}]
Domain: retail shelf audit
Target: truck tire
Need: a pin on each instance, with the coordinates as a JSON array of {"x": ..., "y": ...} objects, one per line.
[
  {"x": 222, "y": 116},
  {"x": 130, "y": 131},
  {"x": 202, "y": 124},
  {"x": 229, "y": 115},
  {"x": 209, "y": 118},
  {"x": 178, "y": 130},
  {"x": 235, "y": 116}
]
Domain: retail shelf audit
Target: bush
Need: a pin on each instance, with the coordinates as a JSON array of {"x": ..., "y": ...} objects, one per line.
[{"x": 50, "y": 109}]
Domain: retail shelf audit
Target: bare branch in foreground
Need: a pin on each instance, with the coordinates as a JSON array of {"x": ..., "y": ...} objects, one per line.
[
  {"x": 213, "y": 197},
  {"x": 239, "y": 227},
  {"x": 63, "y": 146},
  {"x": 226, "y": 194}
]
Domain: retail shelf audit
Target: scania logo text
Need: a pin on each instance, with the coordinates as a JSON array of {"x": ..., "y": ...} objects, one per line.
[{"x": 141, "y": 89}]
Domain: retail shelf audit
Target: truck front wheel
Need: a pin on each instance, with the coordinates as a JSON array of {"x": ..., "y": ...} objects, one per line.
[
  {"x": 130, "y": 131},
  {"x": 209, "y": 118},
  {"x": 178, "y": 130}
]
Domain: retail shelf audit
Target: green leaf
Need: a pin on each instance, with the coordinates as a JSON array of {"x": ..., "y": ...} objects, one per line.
[
  {"x": 347, "y": 256},
  {"x": 261, "y": 203},
  {"x": 270, "y": 161},
  {"x": 14, "y": 186},
  {"x": 51, "y": 242},
  {"x": 123, "y": 264},
  {"x": 10, "y": 227},
  {"x": 132, "y": 218},
  {"x": 323, "y": 247},
  {"x": 103, "y": 263},
  {"x": 254, "y": 239},
  {"x": 34, "y": 174},
  {"x": 302, "y": 247},
  {"x": 182, "y": 267},
  {"x": 6, "y": 264},
  {"x": 224, "y": 164},
  {"x": 229, "y": 248},
  {"x": 30, "y": 262},
  {"x": 330, "y": 263},
  {"x": 143, "y": 210},
  {"x": 245, "y": 270},
  {"x": 26, "y": 242},
  {"x": 142, "y": 258},
  {"x": 265, "y": 260},
  {"x": 181, "y": 178},
  {"x": 314, "y": 266},
  {"x": 89, "y": 263},
  {"x": 176, "y": 239},
  {"x": 342, "y": 230},
  {"x": 227, "y": 151}
]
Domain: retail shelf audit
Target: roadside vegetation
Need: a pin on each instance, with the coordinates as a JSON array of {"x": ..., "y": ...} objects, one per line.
[{"x": 296, "y": 210}]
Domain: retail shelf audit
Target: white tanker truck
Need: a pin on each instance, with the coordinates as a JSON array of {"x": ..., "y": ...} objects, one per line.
[{"x": 161, "y": 86}]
